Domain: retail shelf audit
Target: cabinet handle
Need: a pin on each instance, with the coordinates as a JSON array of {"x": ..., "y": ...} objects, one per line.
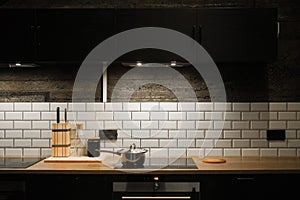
[
  {"x": 245, "y": 179},
  {"x": 156, "y": 197},
  {"x": 200, "y": 34}
]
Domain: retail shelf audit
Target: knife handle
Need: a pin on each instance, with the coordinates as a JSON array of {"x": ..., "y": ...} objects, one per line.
[
  {"x": 66, "y": 119},
  {"x": 57, "y": 115}
]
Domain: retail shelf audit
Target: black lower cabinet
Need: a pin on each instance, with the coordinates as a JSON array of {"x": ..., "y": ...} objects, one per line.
[
  {"x": 249, "y": 187},
  {"x": 12, "y": 187}
]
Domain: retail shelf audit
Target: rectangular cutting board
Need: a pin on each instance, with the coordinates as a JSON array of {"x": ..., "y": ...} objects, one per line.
[{"x": 73, "y": 159}]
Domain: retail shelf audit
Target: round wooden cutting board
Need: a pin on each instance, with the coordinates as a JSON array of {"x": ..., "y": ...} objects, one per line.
[{"x": 214, "y": 160}]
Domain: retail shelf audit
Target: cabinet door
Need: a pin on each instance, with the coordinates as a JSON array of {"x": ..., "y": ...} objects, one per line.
[
  {"x": 16, "y": 35},
  {"x": 182, "y": 20},
  {"x": 68, "y": 35},
  {"x": 239, "y": 35}
]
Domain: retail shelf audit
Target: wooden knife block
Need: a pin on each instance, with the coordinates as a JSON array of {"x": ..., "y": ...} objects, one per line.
[{"x": 61, "y": 139}]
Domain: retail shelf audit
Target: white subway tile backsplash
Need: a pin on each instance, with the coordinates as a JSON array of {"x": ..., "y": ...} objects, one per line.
[
  {"x": 31, "y": 116},
  {"x": 259, "y": 106},
  {"x": 45, "y": 151},
  {"x": 159, "y": 134},
  {"x": 268, "y": 116},
  {"x": 214, "y": 152},
  {"x": 141, "y": 116},
  {"x": 240, "y": 125},
  {"x": 251, "y": 134},
  {"x": 122, "y": 115},
  {"x": 128, "y": 142},
  {"x": 175, "y": 153},
  {"x": 22, "y": 143},
  {"x": 113, "y": 106},
  {"x": 32, "y": 152},
  {"x": 177, "y": 134},
  {"x": 278, "y": 144},
  {"x": 186, "y": 125},
  {"x": 149, "y": 125},
  {"x": 147, "y": 143},
  {"x": 186, "y": 143},
  {"x": 140, "y": 134},
  {"x": 159, "y": 152},
  {"x": 150, "y": 106},
  {"x": 195, "y": 116},
  {"x": 213, "y": 134},
  {"x": 6, "y": 106},
  {"x": 13, "y": 134},
  {"x": 222, "y": 125},
  {"x": 238, "y": 143},
  {"x": 294, "y": 106},
  {"x": 213, "y": 115},
  {"x": 177, "y": 115},
  {"x": 223, "y": 143},
  {"x": 280, "y": 106},
  {"x": 40, "y": 143},
  {"x": 221, "y": 106},
  {"x": 293, "y": 124},
  {"x": 232, "y": 116},
  {"x": 45, "y": 134},
  {"x": 248, "y": 152},
  {"x": 6, "y": 125},
  {"x": 165, "y": 106},
  {"x": 291, "y": 134},
  {"x": 204, "y": 124},
  {"x": 22, "y": 124},
  {"x": 13, "y": 116},
  {"x": 163, "y": 143},
  {"x": 294, "y": 143},
  {"x": 287, "y": 115},
  {"x": 62, "y": 106},
  {"x": 186, "y": 106},
  {"x": 13, "y": 152},
  {"x": 104, "y": 116},
  {"x": 22, "y": 106},
  {"x": 82, "y": 116},
  {"x": 131, "y": 125},
  {"x": 231, "y": 134},
  {"x": 75, "y": 107},
  {"x": 167, "y": 125},
  {"x": 201, "y": 106},
  {"x": 50, "y": 116},
  {"x": 205, "y": 143},
  {"x": 110, "y": 125},
  {"x": 2, "y": 152},
  {"x": 98, "y": 125},
  {"x": 287, "y": 152},
  {"x": 259, "y": 125},
  {"x": 159, "y": 116},
  {"x": 1, "y": 115},
  {"x": 259, "y": 143},
  {"x": 131, "y": 106},
  {"x": 40, "y": 107},
  {"x": 195, "y": 152},
  {"x": 195, "y": 134},
  {"x": 232, "y": 152},
  {"x": 40, "y": 125},
  {"x": 95, "y": 107},
  {"x": 2, "y": 135},
  {"x": 277, "y": 124},
  {"x": 268, "y": 152},
  {"x": 6, "y": 143},
  {"x": 250, "y": 115},
  {"x": 241, "y": 106}
]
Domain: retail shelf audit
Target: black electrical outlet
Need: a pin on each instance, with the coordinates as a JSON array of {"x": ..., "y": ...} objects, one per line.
[
  {"x": 108, "y": 134},
  {"x": 275, "y": 134}
]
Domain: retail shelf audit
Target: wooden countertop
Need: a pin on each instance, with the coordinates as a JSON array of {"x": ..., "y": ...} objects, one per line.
[{"x": 233, "y": 165}]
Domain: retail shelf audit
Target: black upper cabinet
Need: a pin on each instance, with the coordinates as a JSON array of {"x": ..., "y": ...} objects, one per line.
[
  {"x": 239, "y": 35},
  {"x": 182, "y": 20},
  {"x": 68, "y": 35},
  {"x": 17, "y": 36}
]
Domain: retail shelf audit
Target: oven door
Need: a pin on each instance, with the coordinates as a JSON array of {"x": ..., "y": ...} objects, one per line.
[{"x": 156, "y": 190}]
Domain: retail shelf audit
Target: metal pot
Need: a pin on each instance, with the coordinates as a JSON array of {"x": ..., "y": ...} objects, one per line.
[{"x": 131, "y": 157}]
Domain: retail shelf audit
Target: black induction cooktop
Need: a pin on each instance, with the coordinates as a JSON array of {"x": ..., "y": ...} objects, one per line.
[
  {"x": 163, "y": 163},
  {"x": 18, "y": 162}
]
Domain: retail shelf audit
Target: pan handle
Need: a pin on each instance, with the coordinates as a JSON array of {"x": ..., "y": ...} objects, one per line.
[{"x": 107, "y": 151}]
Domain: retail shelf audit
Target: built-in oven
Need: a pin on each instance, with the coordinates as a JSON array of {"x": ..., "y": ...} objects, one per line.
[{"x": 156, "y": 187}]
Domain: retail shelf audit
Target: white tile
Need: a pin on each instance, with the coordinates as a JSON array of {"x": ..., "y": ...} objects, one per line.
[
  {"x": 32, "y": 115},
  {"x": 112, "y": 125},
  {"x": 213, "y": 115},
  {"x": 104, "y": 116},
  {"x": 241, "y": 143},
  {"x": 186, "y": 125},
  {"x": 213, "y": 134},
  {"x": 298, "y": 115},
  {"x": 32, "y": 152},
  {"x": 223, "y": 143},
  {"x": 167, "y": 125},
  {"x": 131, "y": 125},
  {"x": 204, "y": 106},
  {"x": 40, "y": 125},
  {"x": 1, "y": 115},
  {"x": 113, "y": 144},
  {"x": 95, "y": 125},
  {"x": 176, "y": 134},
  {"x": 295, "y": 106},
  {"x": 293, "y": 124},
  {"x": 240, "y": 125},
  {"x": 287, "y": 152},
  {"x": 40, "y": 143},
  {"x": 195, "y": 115},
  {"x": 278, "y": 144},
  {"x": 40, "y": 106},
  {"x": 128, "y": 142},
  {"x": 13, "y": 152},
  {"x": 280, "y": 106},
  {"x": 175, "y": 153},
  {"x": 159, "y": 153},
  {"x": 46, "y": 134},
  {"x": 263, "y": 134},
  {"x": 195, "y": 134},
  {"x": 22, "y": 143},
  {"x": 287, "y": 115},
  {"x": 259, "y": 124},
  {"x": 277, "y": 124},
  {"x": 204, "y": 124},
  {"x": 259, "y": 143},
  {"x": 82, "y": 116},
  {"x": 232, "y": 116},
  {"x": 122, "y": 115},
  {"x": 222, "y": 125},
  {"x": 61, "y": 106},
  {"x": 6, "y": 124},
  {"x": 72, "y": 116},
  {"x": 250, "y": 115},
  {"x": 259, "y": 106},
  {"x": 232, "y": 152},
  {"x": 294, "y": 143},
  {"x": 22, "y": 106},
  {"x": 113, "y": 106},
  {"x": 76, "y": 107},
  {"x": 186, "y": 143},
  {"x": 268, "y": 116},
  {"x": 268, "y": 152},
  {"x": 214, "y": 152},
  {"x": 232, "y": 134},
  {"x": 140, "y": 115},
  {"x": 221, "y": 106},
  {"x": 2, "y": 152},
  {"x": 13, "y": 116},
  {"x": 250, "y": 152},
  {"x": 177, "y": 115},
  {"x": 241, "y": 106},
  {"x": 6, "y": 143},
  {"x": 159, "y": 134},
  {"x": 251, "y": 134},
  {"x": 202, "y": 143},
  {"x": 149, "y": 106},
  {"x": 6, "y": 106},
  {"x": 1, "y": 133},
  {"x": 94, "y": 107},
  {"x": 186, "y": 106},
  {"x": 159, "y": 116},
  {"x": 46, "y": 151},
  {"x": 131, "y": 106},
  {"x": 168, "y": 143},
  {"x": 86, "y": 134},
  {"x": 146, "y": 143},
  {"x": 124, "y": 134},
  {"x": 149, "y": 124},
  {"x": 166, "y": 106},
  {"x": 140, "y": 134},
  {"x": 191, "y": 152},
  {"x": 291, "y": 134},
  {"x": 13, "y": 134},
  {"x": 48, "y": 116}
]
